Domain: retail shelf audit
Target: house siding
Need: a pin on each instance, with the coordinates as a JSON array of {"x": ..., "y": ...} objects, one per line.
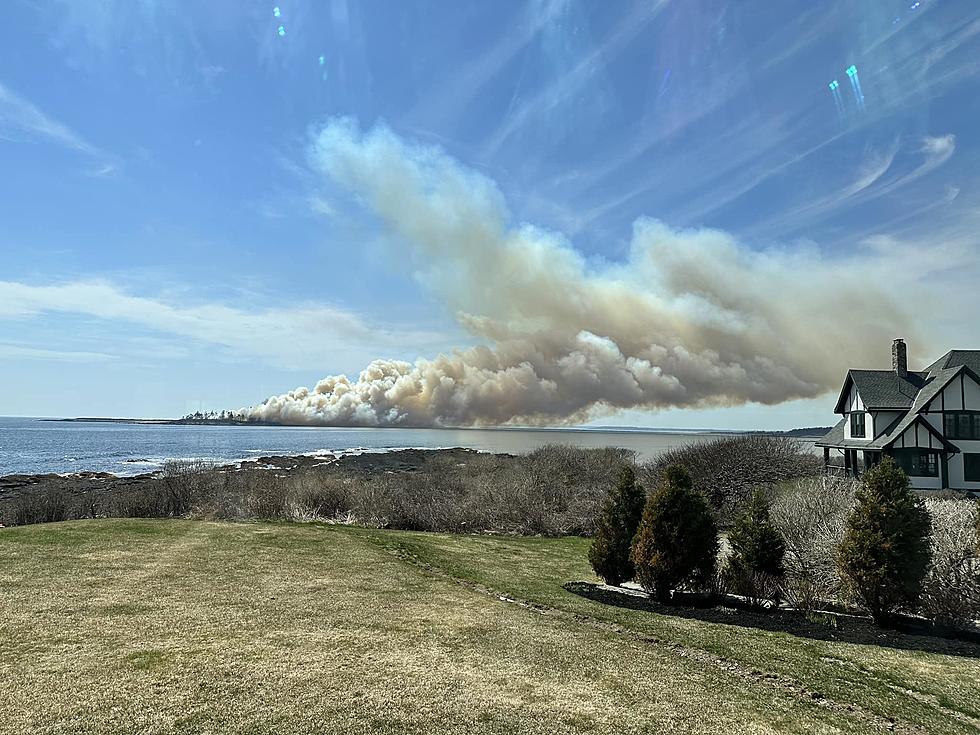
[
  {"x": 884, "y": 419},
  {"x": 935, "y": 419},
  {"x": 956, "y": 480},
  {"x": 917, "y": 436},
  {"x": 962, "y": 394}
]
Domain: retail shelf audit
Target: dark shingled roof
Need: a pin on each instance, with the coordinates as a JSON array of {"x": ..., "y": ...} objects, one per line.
[
  {"x": 955, "y": 358},
  {"x": 942, "y": 378},
  {"x": 834, "y": 437},
  {"x": 881, "y": 389}
]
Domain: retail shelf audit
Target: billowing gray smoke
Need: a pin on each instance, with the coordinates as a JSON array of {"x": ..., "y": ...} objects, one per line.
[{"x": 691, "y": 318}]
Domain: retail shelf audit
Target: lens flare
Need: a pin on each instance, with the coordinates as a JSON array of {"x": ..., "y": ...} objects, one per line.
[
  {"x": 852, "y": 74},
  {"x": 838, "y": 100}
]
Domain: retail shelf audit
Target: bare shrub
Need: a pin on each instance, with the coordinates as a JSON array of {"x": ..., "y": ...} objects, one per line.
[
  {"x": 42, "y": 505},
  {"x": 372, "y": 503},
  {"x": 558, "y": 490},
  {"x": 149, "y": 500},
  {"x": 553, "y": 491},
  {"x": 951, "y": 591},
  {"x": 757, "y": 589},
  {"x": 269, "y": 497},
  {"x": 812, "y": 517},
  {"x": 323, "y": 498},
  {"x": 727, "y": 470},
  {"x": 186, "y": 484},
  {"x": 228, "y": 498}
]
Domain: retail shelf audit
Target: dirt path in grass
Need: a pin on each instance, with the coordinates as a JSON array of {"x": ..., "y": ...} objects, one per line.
[{"x": 779, "y": 682}]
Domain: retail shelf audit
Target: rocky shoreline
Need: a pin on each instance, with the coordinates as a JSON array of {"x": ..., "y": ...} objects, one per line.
[{"x": 357, "y": 462}]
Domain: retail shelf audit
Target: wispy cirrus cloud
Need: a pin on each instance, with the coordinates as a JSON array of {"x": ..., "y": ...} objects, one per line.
[
  {"x": 875, "y": 178},
  {"x": 549, "y": 98},
  {"x": 299, "y": 335},
  {"x": 22, "y": 352},
  {"x": 462, "y": 85},
  {"x": 22, "y": 121}
]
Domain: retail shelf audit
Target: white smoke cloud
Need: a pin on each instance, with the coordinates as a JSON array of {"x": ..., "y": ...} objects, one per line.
[{"x": 691, "y": 318}]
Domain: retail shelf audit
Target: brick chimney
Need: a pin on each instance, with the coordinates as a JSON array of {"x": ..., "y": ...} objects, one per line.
[{"x": 900, "y": 358}]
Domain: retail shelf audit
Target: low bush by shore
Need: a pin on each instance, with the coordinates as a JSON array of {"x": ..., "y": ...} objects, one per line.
[{"x": 553, "y": 491}]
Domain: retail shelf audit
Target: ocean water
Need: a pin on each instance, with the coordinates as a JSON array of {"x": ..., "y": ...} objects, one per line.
[{"x": 29, "y": 446}]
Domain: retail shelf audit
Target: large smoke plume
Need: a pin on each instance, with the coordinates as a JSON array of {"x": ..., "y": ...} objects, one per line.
[{"x": 690, "y": 318}]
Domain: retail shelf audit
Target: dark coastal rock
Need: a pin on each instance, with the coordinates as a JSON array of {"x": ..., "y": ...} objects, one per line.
[
  {"x": 400, "y": 460},
  {"x": 359, "y": 463}
]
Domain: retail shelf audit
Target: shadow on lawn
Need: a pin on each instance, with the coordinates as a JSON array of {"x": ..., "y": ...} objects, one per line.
[{"x": 908, "y": 634}]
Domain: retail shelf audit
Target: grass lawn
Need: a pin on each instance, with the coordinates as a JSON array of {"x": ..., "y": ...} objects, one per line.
[{"x": 194, "y": 627}]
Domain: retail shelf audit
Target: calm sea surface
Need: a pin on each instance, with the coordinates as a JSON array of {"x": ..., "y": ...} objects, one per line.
[{"x": 34, "y": 446}]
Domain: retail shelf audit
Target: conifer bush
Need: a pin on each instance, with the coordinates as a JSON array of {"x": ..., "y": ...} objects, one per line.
[
  {"x": 755, "y": 567},
  {"x": 677, "y": 541},
  {"x": 616, "y": 526},
  {"x": 885, "y": 551}
]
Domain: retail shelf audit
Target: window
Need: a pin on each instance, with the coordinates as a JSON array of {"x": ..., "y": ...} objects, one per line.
[
  {"x": 857, "y": 424},
  {"x": 962, "y": 424},
  {"x": 971, "y": 467},
  {"x": 918, "y": 462}
]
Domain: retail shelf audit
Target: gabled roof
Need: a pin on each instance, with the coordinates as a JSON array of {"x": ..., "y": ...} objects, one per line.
[
  {"x": 882, "y": 389},
  {"x": 932, "y": 388},
  {"x": 940, "y": 380},
  {"x": 886, "y": 440},
  {"x": 955, "y": 358}
]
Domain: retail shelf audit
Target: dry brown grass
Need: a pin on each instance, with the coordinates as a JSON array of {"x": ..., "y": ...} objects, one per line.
[{"x": 170, "y": 626}]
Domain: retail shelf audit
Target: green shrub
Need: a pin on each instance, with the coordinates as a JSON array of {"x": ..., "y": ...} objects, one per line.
[
  {"x": 757, "y": 545},
  {"x": 885, "y": 552},
  {"x": 755, "y": 566},
  {"x": 616, "y": 526},
  {"x": 677, "y": 541}
]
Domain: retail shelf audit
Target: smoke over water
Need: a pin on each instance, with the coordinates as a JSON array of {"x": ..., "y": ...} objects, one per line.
[{"x": 690, "y": 318}]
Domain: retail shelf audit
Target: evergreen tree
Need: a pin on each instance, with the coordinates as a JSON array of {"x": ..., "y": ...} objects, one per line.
[
  {"x": 885, "y": 552},
  {"x": 615, "y": 527},
  {"x": 677, "y": 541},
  {"x": 757, "y": 550},
  {"x": 757, "y": 545}
]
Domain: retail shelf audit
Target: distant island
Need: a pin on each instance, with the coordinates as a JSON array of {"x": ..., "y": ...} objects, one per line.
[{"x": 210, "y": 418}]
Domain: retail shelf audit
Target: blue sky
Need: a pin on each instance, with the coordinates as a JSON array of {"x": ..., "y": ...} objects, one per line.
[{"x": 169, "y": 239}]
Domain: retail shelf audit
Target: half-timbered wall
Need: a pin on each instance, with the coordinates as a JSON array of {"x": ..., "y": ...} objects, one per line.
[{"x": 854, "y": 403}]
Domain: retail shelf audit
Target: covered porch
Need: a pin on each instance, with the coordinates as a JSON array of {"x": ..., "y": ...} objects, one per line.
[{"x": 927, "y": 467}]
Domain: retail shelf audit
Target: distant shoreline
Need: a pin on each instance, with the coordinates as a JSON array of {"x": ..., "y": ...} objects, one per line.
[
  {"x": 162, "y": 422},
  {"x": 801, "y": 433}
]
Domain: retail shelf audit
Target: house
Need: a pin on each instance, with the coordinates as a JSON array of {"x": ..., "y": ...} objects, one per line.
[{"x": 928, "y": 420}]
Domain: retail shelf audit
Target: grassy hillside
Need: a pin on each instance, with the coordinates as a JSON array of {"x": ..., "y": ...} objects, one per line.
[{"x": 195, "y": 627}]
